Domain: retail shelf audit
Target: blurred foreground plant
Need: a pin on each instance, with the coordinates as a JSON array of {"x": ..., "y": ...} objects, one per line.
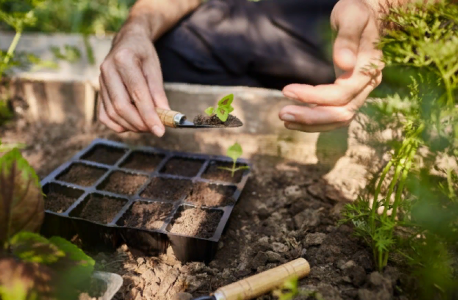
[
  {"x": 416, "y": 190},
  {"x": 33, "y": 267}
]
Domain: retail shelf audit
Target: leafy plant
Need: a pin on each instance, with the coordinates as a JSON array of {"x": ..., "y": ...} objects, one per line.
[
  {"x": 410, "y": 206},
  {"x": 33, "y": 267},
  {"x": 234, "y": 152},
  {"x": 290, "y": 290},
  {"x": 223, "y": 109}
]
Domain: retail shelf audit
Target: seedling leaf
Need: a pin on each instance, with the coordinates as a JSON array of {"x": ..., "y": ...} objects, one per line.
[
  {"x": 209, "y": 111},
  {"x": 34, "y": 248},
  {"x": 226, "y": 101},
  {"x": 222, "y": 113},
  {"x": 234, "y": 151}
]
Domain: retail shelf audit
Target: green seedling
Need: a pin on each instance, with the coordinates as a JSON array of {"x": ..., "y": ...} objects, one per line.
[
  {"x": 223, "y": 109},
  {"x": 234, "y": 152}
]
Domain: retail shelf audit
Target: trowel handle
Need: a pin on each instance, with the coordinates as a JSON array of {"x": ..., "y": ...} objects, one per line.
[
  {"x": 169, "y": 118},
  {"x": 264, "y": 282}
]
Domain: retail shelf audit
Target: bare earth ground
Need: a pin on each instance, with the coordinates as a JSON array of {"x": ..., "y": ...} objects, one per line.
[{"x": 287, "y": 211}]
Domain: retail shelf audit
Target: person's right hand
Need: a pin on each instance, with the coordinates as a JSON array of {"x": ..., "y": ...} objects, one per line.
[{"x": 131, "y": 86}]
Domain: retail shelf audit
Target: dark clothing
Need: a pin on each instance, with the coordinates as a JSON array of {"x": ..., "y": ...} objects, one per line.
[{"x": 269, "y": 44}]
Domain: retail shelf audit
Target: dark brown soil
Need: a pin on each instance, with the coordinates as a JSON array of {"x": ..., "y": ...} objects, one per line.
[
  {"x": 166, "y": 189},
  {"x": 211, "y": 194},
  {"x": 95, "y": 291},
  {"x": 57, "y": 202},
  {"x": 104, "y": 155},
  {"x": 146, "y": 215},
  {"x": 196, "y": 222},
  {"x": 123, "y": 183},
  {"x": 82, "y": 175},
  {"x": 232, "y": 121},
  {"x": 214, "y": 173},
  {"x": 98, "y": 208},
  {"x": 142, "y": 161},
  {"x": 183, "y": 167}
]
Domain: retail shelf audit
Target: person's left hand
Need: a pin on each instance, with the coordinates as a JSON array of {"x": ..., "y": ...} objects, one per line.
[{"x": 354, "y": 55}]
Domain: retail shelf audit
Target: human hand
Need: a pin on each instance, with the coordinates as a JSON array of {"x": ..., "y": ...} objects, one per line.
[
  {"x": 355, "y": 57},
  {"x": 131, "y": 85}
]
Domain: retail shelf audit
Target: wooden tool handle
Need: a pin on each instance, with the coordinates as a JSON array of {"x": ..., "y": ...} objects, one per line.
[
  {"x": 264, "y": 282},
  {"x": 167, "y": 117}
]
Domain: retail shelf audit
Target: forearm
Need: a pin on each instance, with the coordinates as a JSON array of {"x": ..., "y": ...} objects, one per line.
[{"x": 154, "y": 17}]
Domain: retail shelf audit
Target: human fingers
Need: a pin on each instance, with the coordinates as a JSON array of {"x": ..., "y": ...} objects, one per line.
[
  {"x": 314, "y": 128},
  {"x": 131, "y": 74},
  {"x": 152, "y": 70},
  {"x": 110, "y": 110},
  {"x": 103, "y": 117}
]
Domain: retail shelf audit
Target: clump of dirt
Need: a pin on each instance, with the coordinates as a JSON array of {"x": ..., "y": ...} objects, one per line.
[
  {"x": 232, "y": 121},
  {"x": 213, "y": 172},
  {"x": 183, "y": 167},
  {"x": 123, "y": 183},
  {"x": 146, "y": 215},
  {"x": 98, "y": 208},
  {"x": 58, "y": 202},
  {"x": 142, "y": 161},
  {"x": 167, "y": 189},
  {"x": 211, "y": 195},
  {"x": 196, "y": 222},
  {"x": 82, "y": 175},
  {"x": 96, "y": 289},
  {"x": 104, "y": 155}
]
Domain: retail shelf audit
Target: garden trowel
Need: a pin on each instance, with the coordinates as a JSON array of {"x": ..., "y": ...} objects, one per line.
[
  {"x": 176, "y": 119},
  {"x": 261, "y": 283}
]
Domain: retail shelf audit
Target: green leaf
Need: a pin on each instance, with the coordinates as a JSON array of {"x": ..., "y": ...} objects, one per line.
[
  {"x": 209, "y": 111},
  {"x": 234, "y": 151},
  {"x": 231, "y": 109},
  {"x": 226, "y": 101},
  {"x": 222, "y": 113},
  {"x": 32, "y": 247},
  {"x": 15, "y": 157}
]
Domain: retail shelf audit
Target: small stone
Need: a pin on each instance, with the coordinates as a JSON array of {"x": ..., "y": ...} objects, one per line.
[
  {"x": 328, "y": 292},
  {"x": 314, "y": 239},
  {"x": 293, "y": 192},
  {"x": 259, "y": 260},
  {"x": 274, "y": 257},
  {"x": 263, "y": 212},
  {"x": 297, "y": 206},
  {"x": 220, "y": 245},
  {"x": 308, "y": 217},
  {"x": 347, "y": 265},
  {"x": 303, "y": 252},
  {"x": 365, "y": 294},
  {"x": 316, "y": 190},
  {"x": 376, "y": 279},
  {"x": 262, "y": 245},
  {"x": 182, "y": 296},
  {"x": 279, "y": 247}
]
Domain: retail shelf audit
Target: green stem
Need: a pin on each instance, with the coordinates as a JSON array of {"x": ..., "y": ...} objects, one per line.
[
  {"x": 12, "y": 47},
  {"x": 233, "y": 167},
  {"x": 377, "y": 192},
  {"x": 452, "y": 194}
]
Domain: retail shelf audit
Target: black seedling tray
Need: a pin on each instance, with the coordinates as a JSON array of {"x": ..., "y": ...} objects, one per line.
[{"x": 92, "y": 191}]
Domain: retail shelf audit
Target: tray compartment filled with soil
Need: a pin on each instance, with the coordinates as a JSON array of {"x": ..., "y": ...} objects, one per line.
[
  {"x": 122, "y": 183},
  {"x": 142, "y": 161},
  {"x": 211, "y": 195},
  {"x": 104, "y": 154},
  {"x": 82, "y": 174},
  {"x": 148, "y": 198}
]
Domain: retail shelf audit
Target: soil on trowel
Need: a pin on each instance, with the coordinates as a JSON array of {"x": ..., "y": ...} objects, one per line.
[
  {"x": 104, "y": 155},
  {"x": 213, "y": 172},
  {"x": 57, "y": 202},
  {"x": 142, "y": 161},
  {"x": 211, "y": 195},
  {"x": 100, "y": 209},
  {"x": 146, "y": 215},
  {"x": 95, "y": 291},
  {"x": 232, "y": 121},
  {"x": 196, "y": 222},
  {"x": 123, "y": 183},
  {"x": 166, "y": 189},
  {"x": 182, "y": 167},
  {"x": 82, "y": 175}
]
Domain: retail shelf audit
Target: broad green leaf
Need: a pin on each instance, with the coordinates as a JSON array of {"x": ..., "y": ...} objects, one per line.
[
  {"x": 32, "y": 247},
  {"x": 231, "y": 109},
  {"x": 21, "y": 198},
  {"x": 226, "y": 101},
  {"x": 209, "y": 111},
  {"x": 235, "y": 151},
  {"x": 222, "y": 113}
]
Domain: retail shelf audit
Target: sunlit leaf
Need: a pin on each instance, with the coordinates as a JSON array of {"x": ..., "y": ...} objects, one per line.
[
  {"x": 31, "y": 247},
  {"x": 209, "y": 111},
  {"x": 234, "y": 151}
]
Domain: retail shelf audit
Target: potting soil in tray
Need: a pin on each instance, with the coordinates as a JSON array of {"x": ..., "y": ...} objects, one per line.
[{"x": 148, "y": 198}]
